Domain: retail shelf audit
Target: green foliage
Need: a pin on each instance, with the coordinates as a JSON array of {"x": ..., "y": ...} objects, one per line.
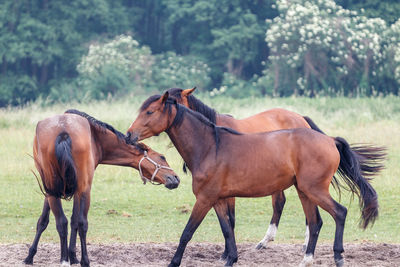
[
  {"x": 171, "y": 70},
  {"x": 115, "y": 67},
  {"x": 42, "y": 42}
]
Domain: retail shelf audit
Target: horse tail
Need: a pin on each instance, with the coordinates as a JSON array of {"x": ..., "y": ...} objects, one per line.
[
  {"x": 64, "y": 178},
  {"x": 312, "y": 124},
  {"x": 350, "y": 171}
]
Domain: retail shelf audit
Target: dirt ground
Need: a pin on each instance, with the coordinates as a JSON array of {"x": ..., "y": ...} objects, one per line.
[{"x": 205, "y": 254}]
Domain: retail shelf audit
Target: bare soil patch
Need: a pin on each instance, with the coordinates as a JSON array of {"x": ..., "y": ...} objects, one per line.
[{"x": 205, "y": 254}]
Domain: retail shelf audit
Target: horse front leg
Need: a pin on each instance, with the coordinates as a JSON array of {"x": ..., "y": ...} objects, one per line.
[
  {"x": 278, "y": 202},
  {"x": 74, "y": 230},
  {"x": 222, "y": 210},
  {"x": 200, "y": 209},
  {"x": 42, "y": 223},
  {"x": 230, "y": 204}
]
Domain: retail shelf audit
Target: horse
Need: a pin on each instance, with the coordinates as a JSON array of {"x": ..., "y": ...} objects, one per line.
[
  {"x": 67, "y": 149},
  {"x": 225, "y": 163},
  {"x": 267, "y": 121}
]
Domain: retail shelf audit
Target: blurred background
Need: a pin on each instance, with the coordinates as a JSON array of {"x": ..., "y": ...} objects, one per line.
[{"x": 61, "y": 51}]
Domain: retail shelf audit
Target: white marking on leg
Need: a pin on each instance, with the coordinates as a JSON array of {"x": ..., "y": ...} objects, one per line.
[
  {"x": 307, "y": 238},
  {"x": 307, "y": 260},
  {"x": 65, "y": 264},
  {"x": 269, "y": 236}
]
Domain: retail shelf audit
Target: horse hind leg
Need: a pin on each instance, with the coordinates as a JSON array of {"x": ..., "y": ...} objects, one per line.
[
  {"x": 84, "y": 203},
  {"x": 278, "y": 202},
  {"x": 322, "y": 198},
  {"x": 42, "y": 223},
  {"x": 314, "y": 226},
  {"x": 62, "y": 227},
  {"x": 74, "y": 229}
]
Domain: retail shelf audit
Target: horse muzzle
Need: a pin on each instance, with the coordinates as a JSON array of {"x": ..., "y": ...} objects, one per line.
[
  {"x": 132, "y": 137},
  {"x": 172, "y": 182}
]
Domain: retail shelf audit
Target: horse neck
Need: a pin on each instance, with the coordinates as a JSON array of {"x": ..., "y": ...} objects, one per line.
[
  {"x": 115, "y": 151},
  {"x": 192, "y": 142}
]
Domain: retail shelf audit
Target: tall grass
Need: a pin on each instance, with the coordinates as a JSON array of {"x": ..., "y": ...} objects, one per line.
[{"x": 124, "y": 210}]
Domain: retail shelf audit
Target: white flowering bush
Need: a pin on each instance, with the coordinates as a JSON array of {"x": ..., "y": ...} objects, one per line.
[
  {"x": 319, "y": 48},
  {"x": 115, "y": 67},
  {"x": 171, "y": 70}
]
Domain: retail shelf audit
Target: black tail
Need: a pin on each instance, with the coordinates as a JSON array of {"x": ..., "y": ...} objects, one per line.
[
  {"x": 351, "y": 171},
  {"x": 65, "y": 182},
  {"x": 313, "y": 125}
]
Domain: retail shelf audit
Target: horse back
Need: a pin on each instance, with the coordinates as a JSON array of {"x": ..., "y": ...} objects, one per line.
[{"x": 266, "y": 121}]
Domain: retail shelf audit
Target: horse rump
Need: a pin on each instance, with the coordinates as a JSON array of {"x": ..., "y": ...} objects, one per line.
[{"x": 63, "y": 176}]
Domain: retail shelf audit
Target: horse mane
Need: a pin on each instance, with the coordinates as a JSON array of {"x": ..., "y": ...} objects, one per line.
[
  {"x": 195, "y": 104},
  {"x": 102, "y": 126},
  {"x": 181, "y": 110}
]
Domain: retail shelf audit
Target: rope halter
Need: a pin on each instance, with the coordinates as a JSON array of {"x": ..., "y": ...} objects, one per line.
[{"x": 158, "y": 167}]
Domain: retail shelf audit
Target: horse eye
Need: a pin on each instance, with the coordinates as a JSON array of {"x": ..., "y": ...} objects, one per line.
[
  {"x": 149, "y": 112},
  {"x": 162, "y": 157}
]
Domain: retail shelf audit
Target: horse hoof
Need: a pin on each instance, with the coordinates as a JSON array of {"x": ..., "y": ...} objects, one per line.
[
  {"x": 73, "y": 260},
  {"x": 65, "y": 264},
  {"x": 223, "y": 257},
  {"x": 339, "y": 263},
  {"x": 260, "y": 246},
  {"x": 28, "y": 261},
  {"x": 307, "y": 260}
]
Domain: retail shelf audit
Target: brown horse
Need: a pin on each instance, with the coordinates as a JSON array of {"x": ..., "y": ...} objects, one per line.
[
  {"x": 266, "y": 121},
  {"x": 67, "y": 149},
  {"x": 225, "y": 163}
]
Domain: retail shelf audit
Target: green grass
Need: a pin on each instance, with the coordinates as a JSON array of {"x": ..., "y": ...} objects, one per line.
[{"x": 155, "y": 214}]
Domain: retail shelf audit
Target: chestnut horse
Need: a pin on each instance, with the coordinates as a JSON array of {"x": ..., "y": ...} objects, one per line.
[
  {"x": 266, "y": 121},
  {"x": 67, "y": 149},
  {"x": 225, "y": 163}
]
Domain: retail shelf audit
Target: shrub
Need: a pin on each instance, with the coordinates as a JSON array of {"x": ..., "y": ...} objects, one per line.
[
  {"x": 115, "y": 68},
  {"x": 319, "y": 48},
  {"x": 171, "y": 70}
]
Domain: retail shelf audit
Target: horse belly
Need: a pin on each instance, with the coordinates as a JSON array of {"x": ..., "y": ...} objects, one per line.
[{"x": 260, "y": 185}]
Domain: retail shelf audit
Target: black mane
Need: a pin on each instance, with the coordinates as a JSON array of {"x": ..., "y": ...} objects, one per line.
[
  {"x": 195, "y": 104},
  {"x": 102, "y": 126}
]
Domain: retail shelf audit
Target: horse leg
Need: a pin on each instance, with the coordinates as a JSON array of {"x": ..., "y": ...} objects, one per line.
[
  {"x": 84, "y": 203},
  {"x": 230, "y": 204},
  {"x": 230, "y": 244},
  {"x": 314, "y": 226},
  {"x": 74, "y": 229},
  {"x": 62, "y": 227},
  {"x": 42, "y": 223},
  {"x": 199, "y": 211},
  {"x": 278, "y": 202},
  {"x": 322, "y": 198}
]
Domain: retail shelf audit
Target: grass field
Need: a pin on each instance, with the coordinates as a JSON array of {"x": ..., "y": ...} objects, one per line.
[{"x": 124, "y": 210}]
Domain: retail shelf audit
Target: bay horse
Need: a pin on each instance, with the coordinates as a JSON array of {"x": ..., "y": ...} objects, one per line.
[
  {"x": 67, "y": 149},
  {"x": 225, "y": 163},
  {"x": 267, "y": 121}
]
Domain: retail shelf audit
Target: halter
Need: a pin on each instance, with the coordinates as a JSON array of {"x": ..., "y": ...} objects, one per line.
[{"x": 158, "y": 167}]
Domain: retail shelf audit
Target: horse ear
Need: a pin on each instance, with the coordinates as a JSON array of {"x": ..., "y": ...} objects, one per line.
[
  {"x": 187, "y": 92},
  {"x": 164, "y": 97}
]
